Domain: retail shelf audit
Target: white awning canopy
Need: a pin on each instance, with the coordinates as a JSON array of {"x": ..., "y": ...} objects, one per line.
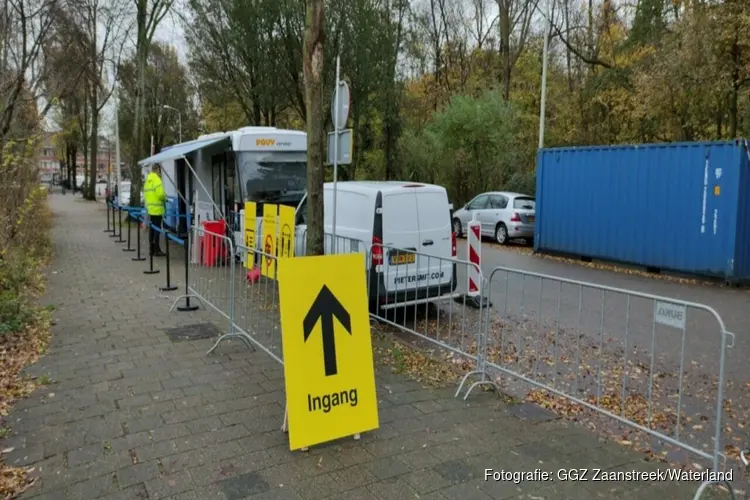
[{"x": 180, "y": 150}]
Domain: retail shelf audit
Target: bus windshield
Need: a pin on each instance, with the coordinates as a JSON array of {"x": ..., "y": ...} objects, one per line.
[{"x": 272, "y": 177}]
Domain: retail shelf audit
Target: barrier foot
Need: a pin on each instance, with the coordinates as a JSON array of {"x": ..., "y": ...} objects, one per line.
[
  {"x": 484, "y": 381},
  {"x": 167, "y": 288},
  {"x": 229, "y": 336},
  {"x": 706, "y": 484},
  {"x": 477, "y": 384},
  {"x": 187, "y": 306},
  {"x": 138, "y": 259},
  {"x": 474, "y": 301},
  {"x": 151, "y": 271},
  {"x": 131, "y": 250}
]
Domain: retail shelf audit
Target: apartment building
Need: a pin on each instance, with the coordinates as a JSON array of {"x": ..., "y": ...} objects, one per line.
[{"x": 49, "y": 157}]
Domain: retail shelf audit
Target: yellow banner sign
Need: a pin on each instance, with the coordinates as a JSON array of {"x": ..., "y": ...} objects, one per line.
[
  {"x": 286, "y": 231},
  {"x": 268, "y": 245},
  {"x": 251, "y": 215}
]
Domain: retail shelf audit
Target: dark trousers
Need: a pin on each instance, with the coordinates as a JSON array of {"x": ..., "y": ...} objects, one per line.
[{"x": 153, "y": 235}]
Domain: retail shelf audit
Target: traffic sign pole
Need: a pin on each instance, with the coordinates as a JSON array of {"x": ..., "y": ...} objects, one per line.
[
  {"x": 335, "y": 147},
  {"x": 339, "y": 114}
]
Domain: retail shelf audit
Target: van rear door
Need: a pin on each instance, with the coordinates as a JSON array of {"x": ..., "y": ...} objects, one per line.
[
  {"x": 435, "y": 229},
  {"x": 400, "y": 239}
]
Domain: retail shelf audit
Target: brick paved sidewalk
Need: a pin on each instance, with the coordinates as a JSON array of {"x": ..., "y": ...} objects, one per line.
[{"x": 131, "y": 415}]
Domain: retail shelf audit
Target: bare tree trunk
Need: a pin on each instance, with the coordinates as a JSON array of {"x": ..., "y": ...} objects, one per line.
[
  {"x": 437, "y": 44},
  {"x": 392, "y": 118},
  {"x": 505, "y": 23},
  {"x": 91, "y": 188},
  {"x": 70, "y": 161},
  {"x": 138, "y": 145},
  {"x": 312, "y": 61},
  {"x": 149, "y": 13},
  {"x": 72, "y": 166},
  {"x": 84, "y": 187},
  {"x": 567, "y": 50},
  {"x": 734, "y": 96},
  {"x": 93, "y": 168}
]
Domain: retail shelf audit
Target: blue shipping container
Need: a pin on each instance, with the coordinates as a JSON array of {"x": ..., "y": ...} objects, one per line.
[{"x": 682, "y": 207}]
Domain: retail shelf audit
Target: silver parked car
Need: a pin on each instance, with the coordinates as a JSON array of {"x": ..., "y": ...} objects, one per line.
[{"x": 504, "y": 216}]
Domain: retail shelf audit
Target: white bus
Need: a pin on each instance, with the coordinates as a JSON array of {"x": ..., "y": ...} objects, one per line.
[{"x": 260, "y": 164}]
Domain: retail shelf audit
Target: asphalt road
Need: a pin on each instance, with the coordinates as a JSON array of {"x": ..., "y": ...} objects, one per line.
[{"x": 732, "y": 304}]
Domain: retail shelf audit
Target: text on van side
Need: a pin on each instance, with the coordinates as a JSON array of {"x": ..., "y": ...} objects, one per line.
[{"x": 400, "y": 280}]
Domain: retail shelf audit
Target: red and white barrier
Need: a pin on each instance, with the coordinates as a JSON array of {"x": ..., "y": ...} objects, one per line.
[{"x": 474, "y": 250}]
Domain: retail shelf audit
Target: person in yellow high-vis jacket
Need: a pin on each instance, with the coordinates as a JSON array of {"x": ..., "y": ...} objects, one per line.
[{"x": 155, "y": 198}]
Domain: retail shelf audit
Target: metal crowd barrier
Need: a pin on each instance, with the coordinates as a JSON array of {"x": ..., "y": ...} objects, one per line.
[
  {"x": 210, "y": 273},
  {"x": 256, "y": 305},
  {"x": 631, "y": 357},
  {"x": 332, "y": 244},
  {"x": 436, "y": 309},
  {"x": 426, "y": 296},
  {"x": 256, "y": 316}
]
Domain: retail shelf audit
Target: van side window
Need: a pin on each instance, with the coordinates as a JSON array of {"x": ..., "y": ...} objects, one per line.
[{"x": 479, "y": 203}]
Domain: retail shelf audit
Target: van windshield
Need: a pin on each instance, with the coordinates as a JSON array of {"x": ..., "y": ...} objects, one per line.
[{"x": 273, "y": 177}]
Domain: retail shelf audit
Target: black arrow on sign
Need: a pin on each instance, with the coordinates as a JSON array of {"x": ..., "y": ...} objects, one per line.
[{"x": 325, "y": 307}]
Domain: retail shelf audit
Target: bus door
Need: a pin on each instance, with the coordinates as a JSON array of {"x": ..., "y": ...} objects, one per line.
[
  {"x": 232, "y": 198},
  {"x": 218, "y": 183},
  {"x": 182, "y": 176}
]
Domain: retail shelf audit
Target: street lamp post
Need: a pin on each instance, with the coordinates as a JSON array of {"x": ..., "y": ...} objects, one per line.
[
  {"x": 545, "y": 59},
  {"x": 179, "y": 118}
]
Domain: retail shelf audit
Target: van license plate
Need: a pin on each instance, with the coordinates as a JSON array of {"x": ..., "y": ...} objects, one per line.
[
  {"x": 531, "y": 218},
  {"x": 398, "y": 258}
]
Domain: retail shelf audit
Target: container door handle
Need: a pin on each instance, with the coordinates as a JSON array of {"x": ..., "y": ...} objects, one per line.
[{"x": 427, "y": 243}]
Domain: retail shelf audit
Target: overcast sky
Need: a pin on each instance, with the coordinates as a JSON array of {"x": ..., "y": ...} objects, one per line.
[{"x": 170, "y": 31}]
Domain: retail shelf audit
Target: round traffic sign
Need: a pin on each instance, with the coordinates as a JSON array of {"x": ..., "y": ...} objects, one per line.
[{"x": 340, "y": 105}]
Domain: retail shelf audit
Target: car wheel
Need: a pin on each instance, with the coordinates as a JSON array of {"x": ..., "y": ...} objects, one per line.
[
  {"x": 501, "y": 234},
  {"x": 456, "y": 227}
]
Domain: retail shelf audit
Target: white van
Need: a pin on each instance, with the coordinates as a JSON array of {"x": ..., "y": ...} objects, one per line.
[{"x": 404, "y": 227}]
